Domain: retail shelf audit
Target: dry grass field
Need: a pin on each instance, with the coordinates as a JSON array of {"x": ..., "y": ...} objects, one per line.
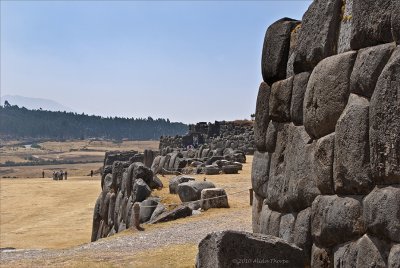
[{"x": 38, "y": 213}]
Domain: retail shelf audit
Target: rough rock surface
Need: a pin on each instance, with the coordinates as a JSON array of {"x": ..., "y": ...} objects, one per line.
[
  {"x": 179, "y": 212},
  {"x": 269, "y": 221},
  {"x": 270, "y": 138},
  {"x": 174, "y": 182},
  {"x": 262, "y": 116},
  {"x": 191, "y": 191},
  {"x": 231, "y": 248},
  {"x": 286, "y": 227},
  {"x": 276, "y": 50},
  {"x": 367, "y": 68},
  {"x": 365, "y": 252},
  {"x": 260, "y": 173},
  {"x": 385, "y": 124},
  {"x": 382, "y": 212},
  {"x": 396, "y": 21},
  {"x": 318, "y": 34},
  {"x": 279, "y": 100},
  {"x": 394, "y": 256},
  {"x": 214, "y": 198},
  {"x": 322, "y": 164},
  {"x": 291, "y": 187},
  {"x": 321, "y": 257},
  {"x": 376, "y": 29},
  {"x": 331, "y": 213},
  {"x": 327, "y": 92},
  {"x": 302, "y": 232},
  {"x": 351, "y": 171},
  {"x": 300, "y": 82}
]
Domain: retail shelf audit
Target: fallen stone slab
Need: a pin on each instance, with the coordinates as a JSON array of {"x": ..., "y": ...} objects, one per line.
[
  {"x": 214, "y": 198},
  {"x": 174, "y": 182},
  {"x": 191, "y": 191},
  {"x": 230, "y": 169},
  {"x": 179, "y": 212},
  {"x": 211, "y": 170},
  {"x": 242, "y": 249}
]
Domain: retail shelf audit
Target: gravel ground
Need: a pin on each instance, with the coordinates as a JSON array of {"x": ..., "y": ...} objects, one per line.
[{"x": 119, "y": 246}]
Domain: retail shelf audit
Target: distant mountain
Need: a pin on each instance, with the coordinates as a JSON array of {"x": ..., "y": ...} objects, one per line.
[{"x": 35, "y": 103}]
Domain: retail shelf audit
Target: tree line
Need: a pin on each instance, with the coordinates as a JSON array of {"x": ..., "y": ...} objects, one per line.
[{"x": 19, "y": 122}]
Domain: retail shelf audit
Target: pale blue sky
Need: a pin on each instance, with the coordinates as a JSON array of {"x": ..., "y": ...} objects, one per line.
[{"x": 187, "y": 61}]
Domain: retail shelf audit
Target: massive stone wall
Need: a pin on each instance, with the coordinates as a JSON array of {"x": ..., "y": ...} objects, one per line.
[
  {"x": 238, "y": 135},
  {"x": 326, "y": 173}
]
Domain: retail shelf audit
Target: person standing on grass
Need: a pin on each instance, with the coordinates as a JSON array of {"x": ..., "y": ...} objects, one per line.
[
  {"x": 43, "y": 174},
  {"x": 65, "y": 175},
  {"x": 91, "y": 173}
]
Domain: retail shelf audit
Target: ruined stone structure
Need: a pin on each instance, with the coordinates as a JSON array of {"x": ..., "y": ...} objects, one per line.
[
  {"x": 238, "y": 135},
  {"x": 326, "y": 173}
]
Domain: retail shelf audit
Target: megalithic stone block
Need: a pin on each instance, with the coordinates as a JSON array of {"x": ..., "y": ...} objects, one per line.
[
  {"x": 371, "y": 23},
  {"x": 385, "y": 123},
  {"x": 327, "y": 92},
  {"x": 262, "y": 116},
  {"x": 318, "y": 34},
  {"x": 275, "y": 52}
]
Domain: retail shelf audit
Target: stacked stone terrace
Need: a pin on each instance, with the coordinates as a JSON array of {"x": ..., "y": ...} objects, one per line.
[
  {"x": 326, "y": 173},
  {"x": 238, "y": 135}
]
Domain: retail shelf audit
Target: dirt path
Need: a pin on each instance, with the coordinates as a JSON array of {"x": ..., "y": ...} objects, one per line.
[{"x": 129, "y": 248}]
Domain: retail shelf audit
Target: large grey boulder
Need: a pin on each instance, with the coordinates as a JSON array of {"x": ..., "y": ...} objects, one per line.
[
  {"x": 269, "y": 221},
  {"x": 175, "y": 181},
  {"x": 230, "y": 169},
  {"x": 335, "y": 219},
  {"x": 272, "y": 132},
  {"x": 279, "y": 100},
  {"x": 300, "y": 82},
  {"x": 385, "y": 124},
  {"x": 147, "y": 208},
  {"x": 302, "y": 232},
  {"x": 318, "y": 34},
  {"x": 322, "y": 163},
  {"x": 371, "y": 23},
  {"x": 96, "y": 219},
  {"x": 382, "y": 212},
  {"x": 140, "y": 191},
  {"x": 327, "y": 92},
  {"x": 367, "y": 251},
  {"x": 291, "y": 187},
  {"x": 260, "y": 173},
  {"x": 321, "y": 257},
  {"x": 276, "y": 50},
  {"x": 111, "y": 210},
  {"x": 367, "y": 68},
  {"x": 214, "y": 198},
  {"x": 108, "y": 183},
  {"x": 256, "y": 209},
  {"x": 211, "y": 170},
  {"x": 286, "y": 227},
  {"x": 158, "y": 211},
  {"x": 262, "y": 116},
  {"x": 138, "y": 170},
  {"x": 191, "y": 191},
  {"x": 177, "y": 213},
  {"x": 118, "y": 169},
  {"x": 233, "y": 248},
  {"x": 351, "y": 171},
  {"x": 394, "y": 256}
]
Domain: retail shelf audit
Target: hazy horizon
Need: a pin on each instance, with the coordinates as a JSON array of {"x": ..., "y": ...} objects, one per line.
[{"x": 188, "y": 61}]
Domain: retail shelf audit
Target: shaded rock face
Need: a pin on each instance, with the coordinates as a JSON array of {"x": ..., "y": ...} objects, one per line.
[
  {"x": 328, "y": 177},
  {"x": 385, "y": 124},
  {"x": 231, "y": 248},
  {"x": 214, "y": 198},
  {"x": 276, "y": 50},
  {"x": 318, "y": 34},
  {"x": 262, "y": 116}
]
